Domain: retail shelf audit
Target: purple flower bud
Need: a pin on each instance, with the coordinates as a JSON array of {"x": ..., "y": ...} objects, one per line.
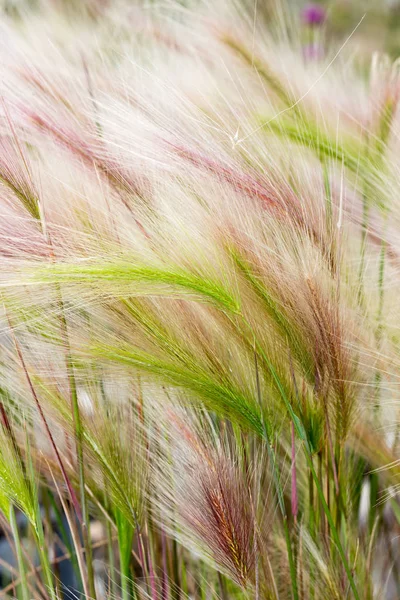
[{"x": 313, "y": 14}]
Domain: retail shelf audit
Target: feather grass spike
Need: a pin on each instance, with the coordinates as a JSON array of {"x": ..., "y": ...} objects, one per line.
[{"x": 199, "y": 270}]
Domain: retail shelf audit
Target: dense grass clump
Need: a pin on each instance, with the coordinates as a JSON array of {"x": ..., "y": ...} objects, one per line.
[{"x": 199, "y": 281}]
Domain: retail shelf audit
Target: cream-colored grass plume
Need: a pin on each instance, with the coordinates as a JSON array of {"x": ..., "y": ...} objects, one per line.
[{"x": 199, "y": 281}]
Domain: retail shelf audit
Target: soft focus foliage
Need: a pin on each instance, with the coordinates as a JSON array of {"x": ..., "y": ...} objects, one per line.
[{"x": 199, "y": 280}]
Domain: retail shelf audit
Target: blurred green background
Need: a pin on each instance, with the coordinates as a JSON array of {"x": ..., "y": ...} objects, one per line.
[{"x": 380, "y": 28}]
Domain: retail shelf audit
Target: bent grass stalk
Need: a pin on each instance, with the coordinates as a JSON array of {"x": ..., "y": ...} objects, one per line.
[
  {"x": 20, "y": 558},
  {"x": 75, "y": 538},
  {"x": 85, "y": 520},
  {"x": 281, "y": 501}
]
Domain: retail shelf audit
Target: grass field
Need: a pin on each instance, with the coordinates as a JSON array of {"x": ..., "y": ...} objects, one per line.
[{"x": 199, "y": 316}]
